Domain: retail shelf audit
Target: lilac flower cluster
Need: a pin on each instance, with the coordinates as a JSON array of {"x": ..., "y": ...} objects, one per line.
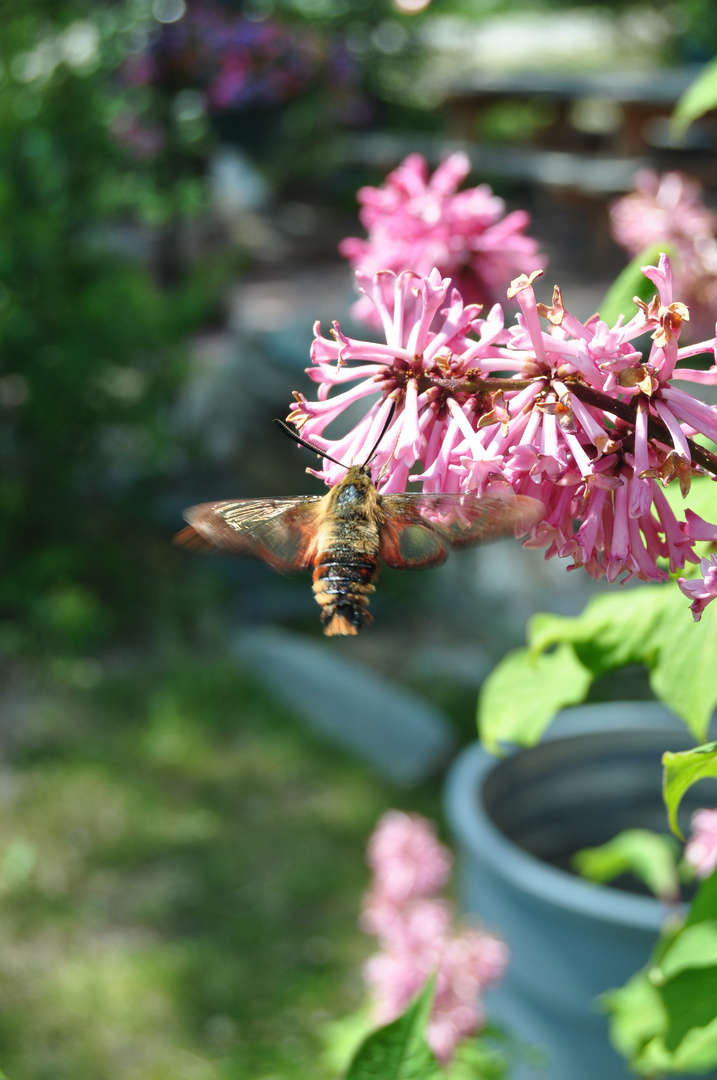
[
  {"x": 415, "y": 222},
  {"x": 570, "y": 413},
  {"x": 414, "y": 929},
  {"x": 668, "y": 209},
  {"x": 238, "y": 62}
]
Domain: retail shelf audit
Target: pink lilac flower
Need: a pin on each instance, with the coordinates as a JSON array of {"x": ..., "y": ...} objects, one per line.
[
  {"x": 571, "y": 414},
  {"x": 415, "y": 932},
  {"x": 698, "y": 529},
  {"x": 701, "y": 590},
  {"x": 470, "y": 962},
  {"x": 407, "y": 858},
  {"x": 668, "y": 209},
  {"x": 701, "y": 848},
  {"x": 415, "y": 222}
]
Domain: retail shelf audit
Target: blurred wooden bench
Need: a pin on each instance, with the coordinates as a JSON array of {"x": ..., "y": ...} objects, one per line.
[{"x": 561, "y": 154}]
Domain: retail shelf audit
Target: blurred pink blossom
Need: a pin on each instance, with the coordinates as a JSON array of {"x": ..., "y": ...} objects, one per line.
[
  {"x": 701, "y": 848},
  {"x": 471, "y": 961},
  {"x": 668, "y": 209},
  {"x": 414, "y": 929},
  {"x": 415, "y": 222},
  {"x": 407, "y": 858},
  {"x": 571, "y": 414}
]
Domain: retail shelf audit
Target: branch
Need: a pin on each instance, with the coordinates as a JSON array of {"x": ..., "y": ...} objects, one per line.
[{"x": 624, "y": 410}]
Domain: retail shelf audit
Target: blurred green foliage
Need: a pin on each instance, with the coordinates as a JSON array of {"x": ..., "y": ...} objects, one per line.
[{"x": 91, "y": 342}]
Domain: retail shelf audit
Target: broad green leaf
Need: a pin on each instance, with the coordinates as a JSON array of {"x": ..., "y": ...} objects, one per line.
[
  {"x": 683, "y": 675},
  {"x": 690, "y": 1000},
  {"x": 524, "y": 693},
  {"x": 699, "y": 97},
  {"x": 653, "y": 626},
  {"x": 636, "y": 1014},
  {"x": 647, "y": 855},
  {"x": 615, "y": 629},
  {"x": 694, "y": 947},
  {"x": 664, "y": 1020},
  {"x": 399, "y": 1051},
  {"x": 650, "y": 625},
  {"x": 631, "y": 282},
  {"x": 681, "y": 770},
  {"x": 697, "y": 1052},
  {"x": 704, "y": 906}
]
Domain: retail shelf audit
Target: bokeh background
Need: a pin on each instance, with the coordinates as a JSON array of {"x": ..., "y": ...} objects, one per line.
[{"x": 188, "y": 771}]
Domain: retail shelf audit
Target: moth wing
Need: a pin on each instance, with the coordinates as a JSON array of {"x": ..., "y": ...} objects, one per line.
[
  {"x": 412, "y": 546},
  {"x": 407, "y": 542},
  {"x": 280, "y": 531},
  {"x": 419, "y": 526}
]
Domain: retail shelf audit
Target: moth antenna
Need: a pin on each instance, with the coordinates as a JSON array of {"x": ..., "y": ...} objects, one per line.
[
  {"x": 384, "y": 429},
  {"x": 309, "y": 446}
]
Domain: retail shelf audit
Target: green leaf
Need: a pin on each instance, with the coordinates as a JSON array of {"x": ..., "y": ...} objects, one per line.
[
  {"x": 694, "y": 947},
  {"x": 636, "y": 1013},
  {"x": 647, "y": 855},
  {"x": 631, "y": 282},
  {"x": 697, "y": 1052},
  {"x": 664, "y": 1020},
  {"x": 690, "y": 1000},
  {"x": 681, "y": 770},
  {"x": 683, "y": 674},
  {"x": 649, "y": 625},
  {"x": 524, "y": 692},
  {"x": 399, "y": 1051},
  {"x": 699, "y": 97},
  {"x": 704, "y": 906},
  {"x": 614, "y": 630}
]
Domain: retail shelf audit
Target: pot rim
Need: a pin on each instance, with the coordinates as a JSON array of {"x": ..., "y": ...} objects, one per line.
[{"x": 475, "y": 830}]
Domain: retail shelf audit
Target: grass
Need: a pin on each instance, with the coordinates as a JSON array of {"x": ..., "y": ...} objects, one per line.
[{"x": 181, "y": 869}]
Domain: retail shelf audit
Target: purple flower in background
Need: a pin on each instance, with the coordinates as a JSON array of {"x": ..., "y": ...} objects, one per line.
[
  {"x": 416, "y": 222},
  {"x": 668, "y": 209},
  {"x": 415, "y": 932},
  {"x": 701, "y": 848},
  {"x": 239, "y": 63}
]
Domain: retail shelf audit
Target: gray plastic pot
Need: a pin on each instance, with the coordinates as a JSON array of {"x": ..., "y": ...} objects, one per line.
[{"x": 517, "y": 820}]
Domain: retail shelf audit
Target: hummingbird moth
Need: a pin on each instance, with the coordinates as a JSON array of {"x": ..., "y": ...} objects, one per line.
[{"x": 347, "y": 534}]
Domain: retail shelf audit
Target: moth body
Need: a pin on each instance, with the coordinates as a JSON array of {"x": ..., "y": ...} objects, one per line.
[{"x": 347, "y": 557}]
